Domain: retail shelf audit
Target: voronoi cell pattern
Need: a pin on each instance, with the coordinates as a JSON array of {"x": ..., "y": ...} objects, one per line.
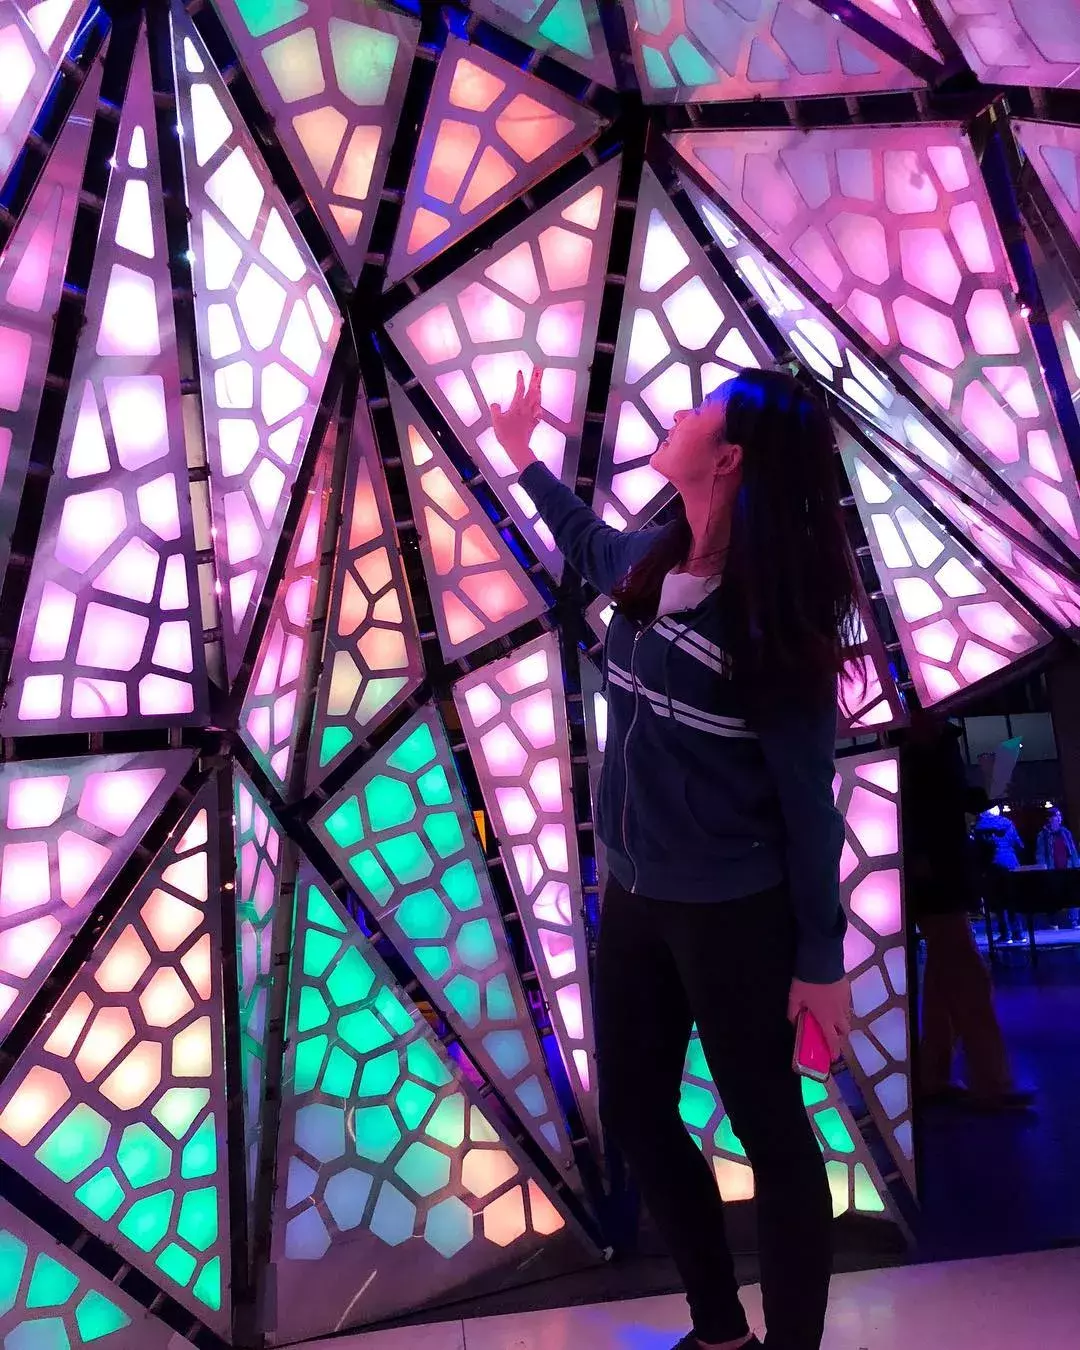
[
  {"x": 1010, "y": 42},
  {"x": 570, "y": 30},
  {"x": 33, "y": 39},
  {"x": 381, "y": 1145}
]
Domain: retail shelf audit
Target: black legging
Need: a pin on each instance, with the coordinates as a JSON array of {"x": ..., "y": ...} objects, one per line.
[{"x": 662, "y": 966}]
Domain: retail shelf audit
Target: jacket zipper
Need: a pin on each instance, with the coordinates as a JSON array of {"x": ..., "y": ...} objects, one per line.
[{"x": 626, "y": 758}]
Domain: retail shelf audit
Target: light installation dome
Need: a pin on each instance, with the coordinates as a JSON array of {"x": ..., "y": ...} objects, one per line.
[{"x": 302, "y": 718}]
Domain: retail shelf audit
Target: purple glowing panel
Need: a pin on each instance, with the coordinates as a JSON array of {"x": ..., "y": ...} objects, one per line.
[
  {"x": 267, "y": 324},
  {"x": 394, "y": 1188},
  {"x": 116, "y": 1108},
  {"x": 111, "y": 632},
  {"x": 867, "y": 789},
  {"x": 1053, "y": 150},
  {"x": 372, "y": 661},
  {"x": 67, "y": 826},
  {"x": 479, "y": 591},
  {"x": 869, "y": 699},
  {"x": 569, "y": 30},
  {"x": 957, "y": 624},
  {"x": 893, "y": 229},
  {"x": 490, "y": 132},
  {"x": 903, "y": 17},
  {"x": 403, "y": 836},
  {"x": 1014, "y": 42},
  {"x": 682, "y": 334},
  {"x": 31, "y": 279},
  {"x": 533, "y": 299},
  {"x": 332, "y": 74},
  {"x": 33, "y": 39},
  {"x": 513, "y": 714},
  {"x": 270, "y": 718},
  {"x": 703, "y": 53}
]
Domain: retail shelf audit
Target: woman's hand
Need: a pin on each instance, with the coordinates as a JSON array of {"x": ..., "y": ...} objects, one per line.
[
  {"x": 830, "y": 1004},
  {"x": 515, "y": 426}
]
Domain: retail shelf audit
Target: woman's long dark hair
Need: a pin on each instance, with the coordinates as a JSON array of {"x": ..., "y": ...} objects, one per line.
[{"x": 789, "y": 594}]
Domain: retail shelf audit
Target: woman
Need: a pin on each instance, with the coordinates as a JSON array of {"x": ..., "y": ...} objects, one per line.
[{"x": 716, "y": 810}]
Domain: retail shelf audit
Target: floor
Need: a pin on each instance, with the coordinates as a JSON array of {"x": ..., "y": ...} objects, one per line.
[{"x": 967, "y": 1305}]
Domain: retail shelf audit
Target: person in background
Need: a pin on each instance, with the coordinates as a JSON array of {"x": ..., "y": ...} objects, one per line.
[
  {"x": 1000, "y": 847},
  {"x": 957, "y": 997},
  {"x": 1055, "y": 849}
]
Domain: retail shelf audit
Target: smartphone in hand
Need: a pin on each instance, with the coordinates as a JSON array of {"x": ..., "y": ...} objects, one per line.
[{"x": 812, "y": 1057}]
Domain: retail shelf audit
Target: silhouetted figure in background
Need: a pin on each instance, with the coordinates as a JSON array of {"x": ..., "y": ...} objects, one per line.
[
  {"x": 1055, "y": 849},
  {"x": 1000, "y": 847}
]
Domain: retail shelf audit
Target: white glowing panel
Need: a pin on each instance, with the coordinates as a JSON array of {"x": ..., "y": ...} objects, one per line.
[
  {"x": 1015, "y": 42},
  {"x": 34, "y": 35}
]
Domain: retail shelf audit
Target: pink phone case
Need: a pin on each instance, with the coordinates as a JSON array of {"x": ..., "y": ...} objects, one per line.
[{"x": 812, "y": 1058}]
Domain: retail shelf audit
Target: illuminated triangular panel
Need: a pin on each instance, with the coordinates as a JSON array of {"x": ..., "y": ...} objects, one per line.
[
  {"x": 893, "y": 229},
  {"x": 394, "y": 1187},
  {"x": 372, "y": 661},
  {"x": 533, "y": 299},
  {"x": 479, "y": 591},
  {"x": 513, "y": 714},
  {"x": 53, "y": 1300},
  {"x": 33, "y": 39},
  {"x": 689, "y": 52},
  {"x": 904, "y": 19},
  {"x": 68, "y": 826},
  {"x": 957, "y": 624},
  {"x": 569, "y": 30},
  {"x": 116, "y": 1109},
  {"x": 1053, "y": 150},
  {"x": 490, "y": 132},
  {"x": 267, "y": 324},
  {"x": 1016, "y": 42},
  {"x": 32, "y": 272},
  {"x": 332, "y": 74},
  {"x": 111, "y": 633},
  {"x": 402, "y": 834},
  {"x": 270, "y": 718},
  {"x": 869, "y": 699},
  {"x": 682, "y": 334}
]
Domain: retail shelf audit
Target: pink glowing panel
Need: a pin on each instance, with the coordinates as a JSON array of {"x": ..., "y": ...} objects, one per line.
[
  {"x": 271, "y": 715},
  {"x": 687, "y": 52},
  {"x": 868, "y": 794},
  {"x": 513, "y": 714},
  {"x": 332, "y": 73},
  {"x": 490, "y": 132},
  {"x": 569, "y": 30},
  {"x": 838, "y": 204},
  {"x": 116, "y": 1108},
  {"x": 903, "y": 17},
  {"x": 479, "y": 591},
  {"x": 957, "y": 623},
  {"x": 552, "y": 263},
  {"x": 33, "y": 40},
  {"x": 267, "y": 325},
  {"x": 682, "y": 335},
  {"x": 869, "y": 699},
  {"x": 31, "y": 278},
  {"x": 372, "y": 660},
  {"x": 1053, "y": 150},
  {"x": 1010, "y": 42},
  {"x": 100, "y": 642}
]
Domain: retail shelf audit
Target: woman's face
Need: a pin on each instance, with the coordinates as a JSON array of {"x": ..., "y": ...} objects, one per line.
[{"x": 695, "y": 450}]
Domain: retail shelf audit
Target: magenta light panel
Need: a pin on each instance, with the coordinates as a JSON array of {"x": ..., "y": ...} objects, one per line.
[
  {"x": 116, "y": 1109},
  {"x": 33, "y": 40},
  {"x": 68, "y": 826},
  {"x": 32, "y": 270},
  {"x": 332, "y": 74},
  {"x": 479, "y": 591},
  {"x": 1053, "y": 149},
  {"x": 569, "y": 30},
  {"x": 401, "y": 832},
  {"x": 513, "y": 714},
  {"x": 957, "y": 624},
  {"x": 869, "y": 699},
  {"x": 490, "y": 132},
  {"x": 682, "y": 334},
  {"x": 532, "y": 299},
  {"x": 1011, "y": 42},
  {"x": 688, "y": 52},
  {"x": 111, "y": 632},
  {"x": 394, "y": 1187},
  {"x": 892, "y": 228},
  {"x": 267, "y": 324},
  {"x": 372, "y": 661},
  {"x": 903, "y": 17}
]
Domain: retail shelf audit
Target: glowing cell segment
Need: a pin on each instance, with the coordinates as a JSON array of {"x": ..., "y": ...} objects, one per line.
[
  {"x": 479, "y": 591},
  {"x": 332, "y": 73},
  {"x": 569, "y": 30},
  {"x": 424, "y": 1174},
  {"x": 1008, "y": 42},
  {"x": 401, "y": 833},
  {"x": 32, "y": 45},
  {"x": 371, "y": 655},
  {"x": 250, "y": 263},
  {"x": 80, "y": 660},
  {"x": 559, "y": 256},
  {"x": 128, "y": 1131},
  {"x": 513, "y": 714}
]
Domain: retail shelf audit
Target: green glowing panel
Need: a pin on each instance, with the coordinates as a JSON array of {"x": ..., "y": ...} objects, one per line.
[
  {"x": 266, "y": 16},
  {"x": 402, "y": 832},
  {"x": 364, "y": 61},
  {"x": 571, "y": 31}
]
